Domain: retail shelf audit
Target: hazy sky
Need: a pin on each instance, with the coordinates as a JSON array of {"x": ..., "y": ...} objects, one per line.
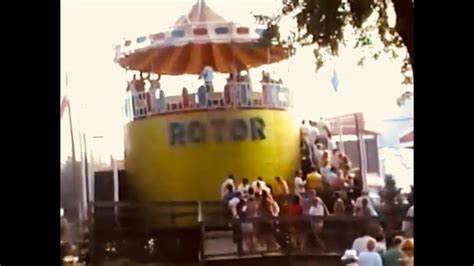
[{"x": 96, "y": 85}]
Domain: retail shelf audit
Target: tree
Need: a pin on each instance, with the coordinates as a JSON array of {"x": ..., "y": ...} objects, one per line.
[
  {"x": 390, "y": 192},
  {"x": 323, "y": 23}
]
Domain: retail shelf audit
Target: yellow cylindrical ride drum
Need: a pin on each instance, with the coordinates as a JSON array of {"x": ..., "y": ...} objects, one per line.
[{"x": 187, "y": 155}]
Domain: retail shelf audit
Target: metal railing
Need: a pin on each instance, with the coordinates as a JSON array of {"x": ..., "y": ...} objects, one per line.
[
  {"x": 336, "y": 240},
  {"x": 118, "y": 221},
  {"x": 236, "y": 95}
]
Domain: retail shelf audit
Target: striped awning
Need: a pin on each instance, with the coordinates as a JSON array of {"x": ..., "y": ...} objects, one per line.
[{"x": 198, "y": 39}]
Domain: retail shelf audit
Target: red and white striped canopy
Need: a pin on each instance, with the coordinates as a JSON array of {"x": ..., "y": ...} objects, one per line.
[{"x": 200, "y": 38}]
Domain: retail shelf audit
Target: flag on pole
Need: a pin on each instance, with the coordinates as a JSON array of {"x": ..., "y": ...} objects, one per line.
[{"x": 335, "y": 81}]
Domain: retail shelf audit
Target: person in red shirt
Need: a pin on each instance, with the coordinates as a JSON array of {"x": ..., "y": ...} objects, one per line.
[
  {"x": 339, "y": 182},
  {"x": 296, "y": 227}
]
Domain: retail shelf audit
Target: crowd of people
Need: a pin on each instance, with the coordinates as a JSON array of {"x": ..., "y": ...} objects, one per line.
[
  {"x": 255, "y": 203},
  {"x": 320, "y": 156},
  {"x": 372, "y": 249}
]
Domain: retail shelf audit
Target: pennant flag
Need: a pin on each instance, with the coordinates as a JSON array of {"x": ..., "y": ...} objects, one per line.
[
  {"x": 335, "y": 81},
  {"x": 64, "y": 105},
  {"x": 65, "y": 101}
]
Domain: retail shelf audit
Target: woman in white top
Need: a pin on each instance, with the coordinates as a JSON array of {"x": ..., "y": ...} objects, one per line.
[
  {"x": 316, "y": 212},
  {"x": 300, "y": 184}
]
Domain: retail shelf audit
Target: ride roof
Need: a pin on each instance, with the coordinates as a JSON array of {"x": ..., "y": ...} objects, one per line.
[{"x": 200, "y": 38}]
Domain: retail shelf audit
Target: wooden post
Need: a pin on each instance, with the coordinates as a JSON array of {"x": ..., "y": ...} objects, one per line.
[{"x": 359, "y": 149}]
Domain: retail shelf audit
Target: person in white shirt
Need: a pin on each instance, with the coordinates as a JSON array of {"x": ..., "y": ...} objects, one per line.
[
  {"x": 316, "y": 211},
  {"x": 208, "y": 75},
  {"x": 370, "y": 257},
  {"x": 316, "y": 208},
  {"x": 360, "y": 244},
  {"x": 259, "y": 186},
  {"x": 244, "y": 187},
  {"x": 313, "y": 132},
  {"x": 154, "y": 87},
  {"x": 358, "y": 204},
  {"x": 228, "y": 181},
  {"x": 308, "y": 202},
  {"x": 324, "y": 128},
  {"x": 300, "y": 184}
]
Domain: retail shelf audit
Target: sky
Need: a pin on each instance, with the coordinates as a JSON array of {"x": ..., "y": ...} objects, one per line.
[{"x": 96, "y": 85}]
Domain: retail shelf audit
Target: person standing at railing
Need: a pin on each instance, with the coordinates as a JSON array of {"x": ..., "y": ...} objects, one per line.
[
  {"x": 298, "y": 234},
  {"x": 259, "y": 186},
  {"x": 236, "y": 207},
  {"x": 248, "y": 228},
  {"x": 300, "y": 184},
  {"x": 345, "y": 164},
  {"x": 281, "y": 190},
  {"x": 316, "y": 212},
  {"x": 131, "y": 85},
  {"x": 207, "y": 75},
  {"x": 335, "y": 158},
  {"x": 312, "y": 135},
  {"x": 327, "y": 169},
  {"x": 266, "y": 94},
  {"x": 275, "y": 88},
  {"x": 307, "y": 202},
  {"x": 154, "y": 86},
  {"x": 325, "y": 134},
  {"x": 234, "y": 202},
  {"x": 162, "y": 101},
  {"x": 229, "y": 181},
  {"x": 324, "y": 128},
  {"x": 364, "y": 210},
  {"x": 268, "y": 209},
  {"x": 244, "y": 187},
  {"x": 185, "y": 96},
  {"x": 202, "y": 96},
  {"x": 359, "y": 203},
  {"x": 230, "y": 194},
  {"x": 244, "y": 93},
  {"x": 228, "y": 89},
  {"x": 339, "y": 182},
  {"x": 132, "y": 93},
  {"x": 318, "y": 151},
  {"x": 139, "y": 83},
  {"x": 339, "y": 206}
]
